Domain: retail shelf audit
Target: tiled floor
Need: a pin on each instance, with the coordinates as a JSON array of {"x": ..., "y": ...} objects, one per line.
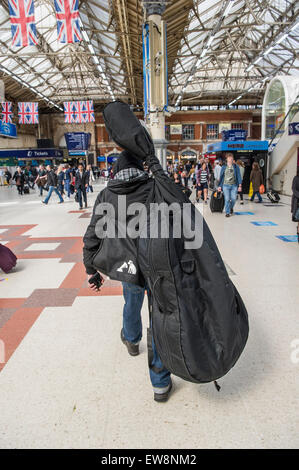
[{"x": 66, "y": 379}]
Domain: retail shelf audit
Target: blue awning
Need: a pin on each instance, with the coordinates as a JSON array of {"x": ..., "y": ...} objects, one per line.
[{"x": 238, "y": 145}]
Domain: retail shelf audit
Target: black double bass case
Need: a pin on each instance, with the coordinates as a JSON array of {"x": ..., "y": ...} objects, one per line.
[{"x": 199, "y": 321}]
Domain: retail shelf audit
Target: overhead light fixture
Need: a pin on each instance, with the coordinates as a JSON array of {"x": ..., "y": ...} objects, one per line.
[
  {"x": 204, "y": 52},
  {"x": 249, "y": 68},
  {"x": 85, "y": 36},
  {"x": 295, "y": 26}
]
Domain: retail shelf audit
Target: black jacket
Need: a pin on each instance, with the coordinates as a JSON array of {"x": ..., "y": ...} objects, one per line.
[
  {"x": 80, "y": 182},
  {"x": 51, "y": 178},
  {"x": 22, "y": 177},
  {"x": 108, "y": 254}
]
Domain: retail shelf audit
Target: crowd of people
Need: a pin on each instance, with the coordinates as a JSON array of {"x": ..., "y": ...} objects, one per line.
[
  {"x": 224, "y": 175},
  {"x": 63, "y": 180}
]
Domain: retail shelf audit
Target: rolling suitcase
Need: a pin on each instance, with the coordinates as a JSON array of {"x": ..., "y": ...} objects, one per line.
[
  {"x": 273, "y": 196},
  {"x": 26, "y": 189},
  {"x": 217, "y": 201},
  {"x": 7, "y": 259}
]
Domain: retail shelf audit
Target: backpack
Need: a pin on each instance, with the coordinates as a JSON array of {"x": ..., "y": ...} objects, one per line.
[{"x": 197, "y": 317}]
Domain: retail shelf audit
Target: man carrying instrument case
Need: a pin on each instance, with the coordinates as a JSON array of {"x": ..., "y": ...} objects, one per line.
[{"x": 198, "y": 320}]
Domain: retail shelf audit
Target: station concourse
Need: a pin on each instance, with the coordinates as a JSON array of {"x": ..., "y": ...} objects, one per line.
[{"x": 210, "y": 81}]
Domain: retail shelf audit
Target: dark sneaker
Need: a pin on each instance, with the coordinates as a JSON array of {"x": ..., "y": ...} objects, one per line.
[
  {"x": 232, "y": 211},
  {"x": 227, "y": 215},
  {"x": 44, "y": 202},
  {"x": 163, "y": 397},
  {"x": 133, "y": 349}
]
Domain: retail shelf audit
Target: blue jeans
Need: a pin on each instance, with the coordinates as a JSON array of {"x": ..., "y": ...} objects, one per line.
[
  {"x": 51, "y": 189},
  {"x": 230, "y": 195},
  {"x": 132, "y": 330},
  {"x": 67, "y": 184},
  {"x": 258, "y": 194}
]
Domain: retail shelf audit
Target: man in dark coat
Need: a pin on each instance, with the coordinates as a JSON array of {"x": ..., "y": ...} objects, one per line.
[
  {"x": 130, "y": 180},
  {"x": 52, "y": 183},
  {"x": 81, "y": 184}
]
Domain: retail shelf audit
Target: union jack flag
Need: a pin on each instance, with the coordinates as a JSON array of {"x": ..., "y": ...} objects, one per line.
[
  {"x": 6, "y": 112},
  {"x": 71, "y": 112},
  {"x": 28, "y": 113},
  {"x": 22, "y": 22},
  {"x": 67, "y": 15},
  {"x": 86, "y": 111}
]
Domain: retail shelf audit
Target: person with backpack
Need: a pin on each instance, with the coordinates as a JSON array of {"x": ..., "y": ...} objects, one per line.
[
  {"x": 295, "y": 201},
  {"x": 256, "y": 178},
  {"x": 52, "y": 182},
  {"x": 230, "y": 182},
  {"x": 131, "y": 180}
]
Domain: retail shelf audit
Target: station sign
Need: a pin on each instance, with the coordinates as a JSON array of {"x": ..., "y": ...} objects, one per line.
[
  {"x": 8, "y": 130},
  {"x": 31, "y": 153},
  {"x": 77, "y": 140},
  {"x": 234, "y": 135},
  {"x": 249, "y": 145}
]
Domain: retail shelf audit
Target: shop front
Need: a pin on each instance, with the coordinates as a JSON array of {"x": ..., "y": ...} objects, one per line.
[{"x": 247, "y": 151}]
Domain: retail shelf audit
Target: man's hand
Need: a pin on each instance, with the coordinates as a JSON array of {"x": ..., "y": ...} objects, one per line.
[{"x": 93, "y": 287}]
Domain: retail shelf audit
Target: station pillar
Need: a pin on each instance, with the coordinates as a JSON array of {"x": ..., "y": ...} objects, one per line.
[{"x": 155, "y": 75}]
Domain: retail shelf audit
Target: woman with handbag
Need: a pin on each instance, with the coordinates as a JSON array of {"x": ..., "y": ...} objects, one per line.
[
  {"x": 295, "y": 201},
  {"x": 256, "y": 178}
]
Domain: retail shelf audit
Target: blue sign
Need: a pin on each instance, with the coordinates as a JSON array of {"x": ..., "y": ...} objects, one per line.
[
  {"x": 31, "y": 153},
  {"x": 77, "y": 140},
  {"x": 8, "y": 130},
  {"x": 234, "y": 135},
  {"x": 238, "y": 145},
  {"x": 101, "y": 158},
  {"x": 294, "y": 128},
  {"x": 112, "y": 158},
  {"x": 80, "y": 153}
]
